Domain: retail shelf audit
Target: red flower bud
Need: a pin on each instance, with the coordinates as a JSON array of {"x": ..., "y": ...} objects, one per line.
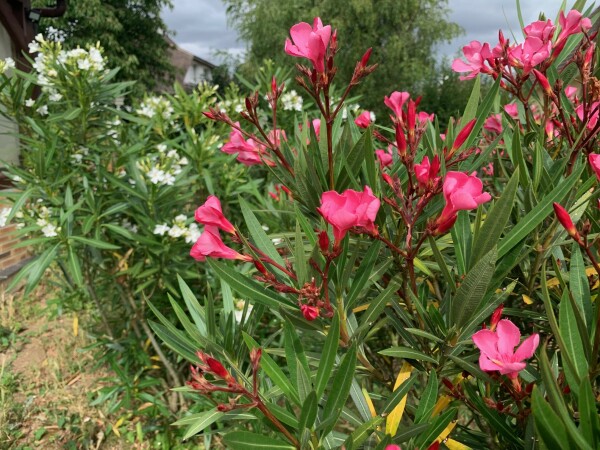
[
  {"x": 217, "y": 368},
  {"x": 543, "y": 82},
  {"x": 365, "y": 59},
  {"x": 434, "y": 446},
  {"x": 497, "y": 314},
  {"x": 463, "y": 135},
  {"x": 260, "y": 267},
  {"x": 274, "y": 87},
  {"x": 323, "y": 241},
  {"x": 565, "y": 220},
  {"x": 210, "y": 115},
  {"x": 400, "y": 140}
]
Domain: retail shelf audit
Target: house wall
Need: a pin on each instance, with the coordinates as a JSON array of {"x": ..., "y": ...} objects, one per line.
[
  {"x": 10, "y": 258},
  {"x": 197, "y": 73},
  {"x": 9, "y": 145}
]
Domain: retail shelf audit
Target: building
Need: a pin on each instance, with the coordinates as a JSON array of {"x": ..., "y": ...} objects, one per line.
[{"x": 190, "y": 70}]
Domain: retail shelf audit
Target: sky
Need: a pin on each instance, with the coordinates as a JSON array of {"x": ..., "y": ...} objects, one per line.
[{"x": 201, "y": 27}]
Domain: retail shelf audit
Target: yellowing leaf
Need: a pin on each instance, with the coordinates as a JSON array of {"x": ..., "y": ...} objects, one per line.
[
  {"x": 75, "y": 326},
  {"x": 441, "y": 405},
  {"x": 394, "y": 418},
  {"x": 527, "y": 299},
  {"x": 455, "y": 445},
  {"x": 369, "y": 402},
  {"x": 444, "y": 434}
]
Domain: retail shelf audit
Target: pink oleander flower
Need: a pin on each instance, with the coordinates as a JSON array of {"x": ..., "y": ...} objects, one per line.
[
  {"x": 395, "y": 101},
  {"x": 572, "y": 23},
  {"x": 493, "y": 123},
  {"x": 476, "y": 55},
  {"x": 309, "y": 42},
  {"x": 592, "y": 118},
  {"x": 385, "y": 158},
  {"x": 364, "y": 119},
  {"x": 461, "y": 192},
  {"x": 209, "y": 244},
  {"x": 512, "y": 110},
  {"x": 488, "y": 169},
  {"x": 594, "y": 159},
  {"x": 571, "y": 93},
  {"x": 392, "y": 447},
  {"x": 316, "y": 123},
  {"x": 530, "y": 53},
  {"x": 423, "y": 117},
  {"x": 540, "y": 29},
  {"x": 310, "y": 313},
  {"x": 498, "y": 349},
  {"x": 348, "y": 210},
  {"x": 248, "y": 151},
  {"x": 427, "y": 172},
  {"x": 210, "y": 213}
]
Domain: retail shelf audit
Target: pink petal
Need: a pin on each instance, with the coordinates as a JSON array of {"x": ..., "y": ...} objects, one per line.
[
  {"x": 508, "y": 337},
  {"x": 300, "y": 34},
  {"x": 487, "y": 364},
  {"x": 462, "y": 201},
  {"x": 291, "y": 49},
  {"x": 487, "y": 342},
  {"x": 527, "y": 348}
]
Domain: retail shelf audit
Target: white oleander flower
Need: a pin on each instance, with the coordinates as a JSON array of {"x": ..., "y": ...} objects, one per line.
[
  {"x": 192, "y": 233},
  {"x": 42, "y": 110},
  {"x": 4, "y": 212},
  {"x": 29, "y": 102},
  {"x": 50, "y": 230},
  {"x": 161, "y": 229}
]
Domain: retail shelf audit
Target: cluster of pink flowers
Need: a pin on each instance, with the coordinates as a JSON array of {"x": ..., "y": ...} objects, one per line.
[
  {"x": 537, "y": 48},
  {"x": 210, "y": 244}
]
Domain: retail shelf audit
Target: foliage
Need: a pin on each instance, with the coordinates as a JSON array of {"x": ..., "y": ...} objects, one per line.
[
  {"x": 132, "y": 34},
  {"x": 403, "y": 36},
  {"x": 360, "y": 321}
]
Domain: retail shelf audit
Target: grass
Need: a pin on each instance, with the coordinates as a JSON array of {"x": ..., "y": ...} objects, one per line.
[{"x": 54, "y": 394}]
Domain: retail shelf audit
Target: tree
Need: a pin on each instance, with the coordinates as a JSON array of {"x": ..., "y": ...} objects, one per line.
[
  {"x": 403, "y": 35},
  {"x": 130, "y": 31}
]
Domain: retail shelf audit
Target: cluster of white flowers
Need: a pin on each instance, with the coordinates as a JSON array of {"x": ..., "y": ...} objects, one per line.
[
  {"x": 77, "y": 156},
  {"x": 113, "y": 131},
  {"x": 56, "y": 34},
  {"x": 239, "y": 310},
  {"x": 161, "y": 168},
  {"x": 6, "y": 64},
  {"x": 291, "y": 101},
  {"x": 353, "y": 108},
  {"x": 4, "y": 212},
  {"x": 236, "y": 105},
  {"x": 48, "y": 229},
  {"x": 178, "y": 229},
  {"x": 126, "y": 223},
  {"x": 152, "y": 106}
]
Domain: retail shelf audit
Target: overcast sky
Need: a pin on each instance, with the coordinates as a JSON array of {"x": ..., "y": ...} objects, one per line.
[{"x": 201, "y": 25}]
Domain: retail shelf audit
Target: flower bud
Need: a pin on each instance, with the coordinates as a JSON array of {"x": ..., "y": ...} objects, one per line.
[
  {"x": 543, "y": 82},
  {"x": 565, "y": 220},
  {"x": 496, "y": 315},
  {"x": 365, "y": 59},
  {"x": 463, "y": 135},
  {"x": 217, "y": 368},
  {"x": 323, "y": 241}
]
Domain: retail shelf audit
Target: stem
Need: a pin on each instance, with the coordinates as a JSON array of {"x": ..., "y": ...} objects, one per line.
[
  {"x": 596, "y": 346},
  {"x": 269, "y": 415}
]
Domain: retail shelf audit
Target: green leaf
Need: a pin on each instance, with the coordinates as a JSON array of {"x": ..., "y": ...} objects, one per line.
[
  {"x": 351, "y": 161},
  {"x": 589, "y": 422},
  {"x": 294, "y": 353},
  {"x": 274, "y": 372},
  {"x": 194, "y": 308},
  {"x": 396, "y": 397},
  {"x": 428, "y": 399},
  {"x": 537, "y": 215},
  {"x": 328, "y": 356},
  {"x": 96, "y": 243},
  {"x": 262, "y": 241},
  {"x": 407, "y": 353},
  {"x": 244, "y": 440},
  {"x": 308, "y": 414},
  {"x": 360, "y": 435},
  {"x": 472, "y": 290},
  {"x": 249, "y": 288},
  {"x": 376, "y": 306},
  {"x": 340, "y": 389},
  {"x": 550, "y": 429},
  {"x": 573, "y": 341},
  {"x": 496, "y": 220},
  {"x": 75, "y": 267},
  {"x": 437, "y": 426},
  {"x": 39, "y": 267},
  {"x": 198, "y": 422},
  {"x": 300, "y": 257},
  {"x": 579, "y": 285},
  {"x": 362, "y": 274}
]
